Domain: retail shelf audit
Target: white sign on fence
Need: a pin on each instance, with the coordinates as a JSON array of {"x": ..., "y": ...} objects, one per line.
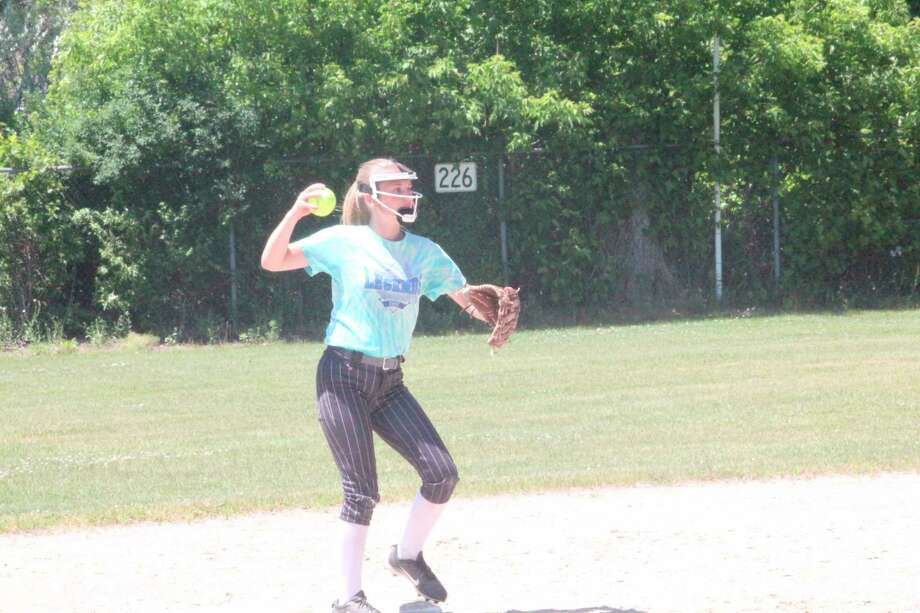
[{"x": 455, "y": 177}]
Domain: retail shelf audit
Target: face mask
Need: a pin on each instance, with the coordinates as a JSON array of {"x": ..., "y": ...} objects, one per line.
[{"x": 407, "y": 214}]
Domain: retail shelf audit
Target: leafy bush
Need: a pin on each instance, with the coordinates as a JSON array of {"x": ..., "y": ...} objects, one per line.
[{"x": 194, "y": 124}]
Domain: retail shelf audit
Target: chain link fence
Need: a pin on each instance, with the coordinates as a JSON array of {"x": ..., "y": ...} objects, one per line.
[{"x": 584, "y": 234}]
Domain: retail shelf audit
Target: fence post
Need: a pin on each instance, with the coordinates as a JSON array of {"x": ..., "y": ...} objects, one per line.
[
  {"x": 718, "y": 195},
  {"x": 777, "y": 262},
  {"x": 233, "y": 281},
  {"x": 503, "y": 226}
]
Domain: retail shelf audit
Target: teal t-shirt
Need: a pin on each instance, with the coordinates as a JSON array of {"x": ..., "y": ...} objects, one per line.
[{"x": 376, "y": 284}]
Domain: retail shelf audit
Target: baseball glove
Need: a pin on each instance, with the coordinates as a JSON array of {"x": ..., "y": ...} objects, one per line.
[{"x": 498, "y": 307}]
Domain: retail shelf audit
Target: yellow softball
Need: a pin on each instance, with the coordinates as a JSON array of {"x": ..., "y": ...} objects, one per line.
[{"x": 324, "y": 203}]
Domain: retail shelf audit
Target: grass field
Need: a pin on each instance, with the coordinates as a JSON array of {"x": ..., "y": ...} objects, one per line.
[{"x": 106, "y": 436}]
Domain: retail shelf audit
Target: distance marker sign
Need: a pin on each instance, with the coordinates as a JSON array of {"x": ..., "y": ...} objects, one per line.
[{"x": 455, "y": 177}]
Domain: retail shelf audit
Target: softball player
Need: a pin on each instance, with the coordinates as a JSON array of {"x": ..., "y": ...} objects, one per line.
[{"x": 379, "y": 272}]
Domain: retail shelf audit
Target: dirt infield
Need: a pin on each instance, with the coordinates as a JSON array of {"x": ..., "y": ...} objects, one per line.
[{"x": 826, "y": 544}]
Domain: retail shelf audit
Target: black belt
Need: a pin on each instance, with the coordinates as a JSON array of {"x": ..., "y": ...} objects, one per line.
[{"x": 356, "y": 357}]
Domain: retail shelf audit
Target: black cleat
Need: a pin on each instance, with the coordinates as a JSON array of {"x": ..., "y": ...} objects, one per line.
[
  {"x": 357, "y": 604},
  {"x": 421, "y": 576}
]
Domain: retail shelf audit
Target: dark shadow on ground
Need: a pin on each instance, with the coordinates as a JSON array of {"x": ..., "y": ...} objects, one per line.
[
  {"x": 421, "y": 607},
  {"x": 587, "y": 610}
]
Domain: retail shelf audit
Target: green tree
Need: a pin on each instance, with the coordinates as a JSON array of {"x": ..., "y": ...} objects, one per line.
[
  {"x": 28, "y": 30},
  {"x": 41, "y": 245},
  {"x": 179, "y": 109},
  {"x": 195, "y": 120},
  {"x": 833, "y": 93}
]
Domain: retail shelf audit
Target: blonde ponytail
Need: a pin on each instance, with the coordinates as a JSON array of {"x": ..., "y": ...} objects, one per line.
[{"x": 354, "y": 210}]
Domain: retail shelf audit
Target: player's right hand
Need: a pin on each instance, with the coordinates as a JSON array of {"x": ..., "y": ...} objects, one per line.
[{"x": 302, "y": 207}]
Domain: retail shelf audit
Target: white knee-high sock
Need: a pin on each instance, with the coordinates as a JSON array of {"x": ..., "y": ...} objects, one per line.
[
  {"x": 422, "y": 517},
  {"x": 351, "y": 557}
]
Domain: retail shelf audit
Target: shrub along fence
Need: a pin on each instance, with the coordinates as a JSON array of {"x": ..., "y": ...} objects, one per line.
[{"x": 583, "y": 233}]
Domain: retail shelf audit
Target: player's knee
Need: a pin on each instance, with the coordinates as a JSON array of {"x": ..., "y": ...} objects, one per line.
[
  {"x": 358, "y": 509},
  {"x": 441, "y": 490}
]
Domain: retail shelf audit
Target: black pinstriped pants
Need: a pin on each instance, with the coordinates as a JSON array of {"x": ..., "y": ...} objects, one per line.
[{"x": 353, "y": 401}]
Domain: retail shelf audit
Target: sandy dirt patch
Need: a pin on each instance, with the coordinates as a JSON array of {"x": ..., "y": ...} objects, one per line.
[{"x": 826, "y": 544}]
